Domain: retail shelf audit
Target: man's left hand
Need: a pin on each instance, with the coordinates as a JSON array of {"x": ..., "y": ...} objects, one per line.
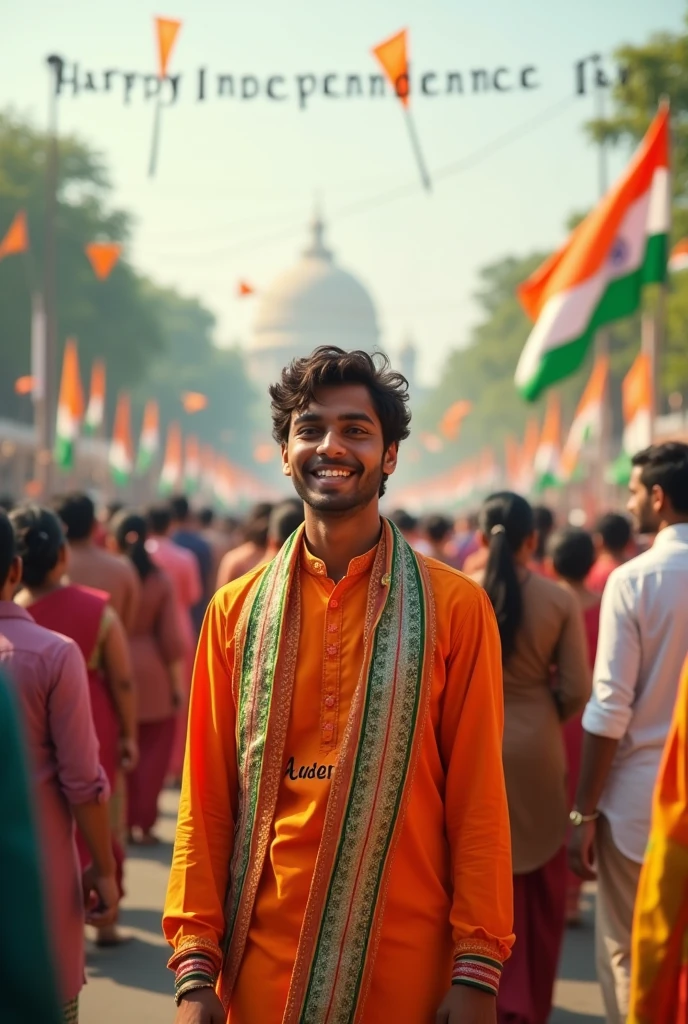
[{"x": 464, "y": 1004}]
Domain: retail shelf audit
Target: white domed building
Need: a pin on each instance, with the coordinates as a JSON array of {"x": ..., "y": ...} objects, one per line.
[{"x": 314, "y": 303}]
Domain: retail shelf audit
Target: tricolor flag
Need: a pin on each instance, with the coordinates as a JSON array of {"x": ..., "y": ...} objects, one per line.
[
  {"x": 678, "y": 260},
  {"x": 70, "y": 407},
  {"x": 548, "y": 452},
  {"x": 531, "y": 441},
  {"x": 95, "y": 412},
  {"x": 121, "y": 455},
  {"x": 587, "y": 423},
  {"x": 636, "y": 394},
  {"x": 598, "y": 276},
  {"x": 171, "y": 474},
  {"x": 192, "y": 464},
  {"x": 636, "y": 399},
  {"x": 149, "y": 442}
]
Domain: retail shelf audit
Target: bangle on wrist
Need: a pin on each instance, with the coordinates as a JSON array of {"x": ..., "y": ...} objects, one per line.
[{"x": 576, "y": 818}]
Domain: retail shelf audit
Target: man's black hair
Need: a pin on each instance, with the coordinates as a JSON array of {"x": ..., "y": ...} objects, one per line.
[
  {"x": 8, "y": 547},
  {"x": 77, "y": 512},
  {"x": 666, "y": 466},
  {"x": 615, "y": 532}
]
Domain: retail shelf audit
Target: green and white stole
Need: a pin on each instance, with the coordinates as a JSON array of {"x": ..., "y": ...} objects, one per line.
[{"x": 370, "y": 784}]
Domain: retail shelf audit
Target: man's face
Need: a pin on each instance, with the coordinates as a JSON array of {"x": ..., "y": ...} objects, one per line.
[
  {"x": 335, "y": 454},
  {"x": 642, "y": 504}
]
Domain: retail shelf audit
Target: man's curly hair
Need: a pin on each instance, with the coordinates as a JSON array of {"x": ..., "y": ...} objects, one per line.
[{"x": 329, "y": 366}]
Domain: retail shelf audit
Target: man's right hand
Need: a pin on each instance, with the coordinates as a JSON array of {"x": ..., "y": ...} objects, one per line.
[{"x": 200, "y": 1006}]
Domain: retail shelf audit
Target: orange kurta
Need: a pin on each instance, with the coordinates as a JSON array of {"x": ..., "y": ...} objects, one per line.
[{"x": 450, "y": 880}]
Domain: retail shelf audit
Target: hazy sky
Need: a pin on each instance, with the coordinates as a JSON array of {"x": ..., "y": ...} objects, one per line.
[{"x": 237, "y": 181}]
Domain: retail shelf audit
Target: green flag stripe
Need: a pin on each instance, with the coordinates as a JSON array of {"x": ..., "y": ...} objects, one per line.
[{"x": 621, "y": 299}]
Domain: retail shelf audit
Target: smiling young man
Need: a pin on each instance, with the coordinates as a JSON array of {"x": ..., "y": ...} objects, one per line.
[{"x": 342, "y": 849}]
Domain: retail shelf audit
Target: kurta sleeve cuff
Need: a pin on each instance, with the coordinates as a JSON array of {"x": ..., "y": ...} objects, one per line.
[
  {"x": 196, "y": 964},
  {"x": 476, "y": 964}
]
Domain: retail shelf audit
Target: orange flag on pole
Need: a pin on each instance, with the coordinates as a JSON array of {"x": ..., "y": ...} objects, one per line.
[
  {"x": 166, "y": 30},
  {"x": 103, "y": 256},
  {"x": 16, "y": 239},
  {"x": 450, "y": 424},
  {"x": 636, "y": 395},
  {"x": 392, "y": 56}
]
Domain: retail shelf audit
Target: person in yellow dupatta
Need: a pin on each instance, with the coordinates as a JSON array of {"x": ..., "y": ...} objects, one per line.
[{"x": 659, "y": 957}]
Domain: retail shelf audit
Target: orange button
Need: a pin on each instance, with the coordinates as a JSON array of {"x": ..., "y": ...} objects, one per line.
[
  {"x": 332, "y": 650},
  {"x": 334, "y": 603},
  {"x": 329, "y": 702},
  {"x": 327, "y": 728}
]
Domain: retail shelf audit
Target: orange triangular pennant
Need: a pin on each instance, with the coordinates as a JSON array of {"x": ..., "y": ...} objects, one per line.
[
  {"x": 17, "y": 238},
  {"x": 103, "y": 256},
  {"x": 244, "y": 288},
  {"x": 393, "y": 58},
  {"x": 166, "y": 30}
]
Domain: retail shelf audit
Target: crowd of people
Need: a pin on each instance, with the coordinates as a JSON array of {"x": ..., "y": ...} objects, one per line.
[{"x": 432, "y": 733}]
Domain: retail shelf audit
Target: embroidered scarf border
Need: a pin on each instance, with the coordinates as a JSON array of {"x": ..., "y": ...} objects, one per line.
[{"x": 370, "y": 785}]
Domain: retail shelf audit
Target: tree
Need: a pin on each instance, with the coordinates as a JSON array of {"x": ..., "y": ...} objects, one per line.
[{"x": 110, "y": 319}]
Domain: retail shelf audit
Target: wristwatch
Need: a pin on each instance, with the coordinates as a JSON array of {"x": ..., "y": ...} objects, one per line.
[{"x": 576, "y": 818}]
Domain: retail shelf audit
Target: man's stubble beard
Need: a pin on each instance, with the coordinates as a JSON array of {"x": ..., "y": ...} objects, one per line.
[{"x": 334, "y": 503}]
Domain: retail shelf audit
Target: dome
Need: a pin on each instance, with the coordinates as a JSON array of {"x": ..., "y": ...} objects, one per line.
[{"x": 314, "y": 303}]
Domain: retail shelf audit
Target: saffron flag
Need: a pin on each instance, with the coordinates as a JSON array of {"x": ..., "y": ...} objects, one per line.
[
  {"x": 70, "y": 408},
  {"x": 149, "y": 442},
  {"x": 24, "y": 385},
  {"x": 678, "y": 260},
  {"x": 95, "y": 411},
  {"x": 16, "y": 239},
  {"x": 171, "y": 473},
  {"x": 587, "y": 422},
  {"x": 598, "y": 276},
  {"x": 194, "y": 401},
  {"x": 244, "y": 289},
  {"x": 392, "y": 56},
  {"x": 450, "y": 424},
  {"x": 121, "y": 456},
  {"x": 192, "y": 465},
  {"x": 166, "y": 30},
  {"x": 103, "y": 257},
  {"x": 548, "y": 451}
]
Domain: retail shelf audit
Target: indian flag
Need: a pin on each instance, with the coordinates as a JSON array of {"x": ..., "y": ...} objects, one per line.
[
  {"x": 149, "y": 442},
  {"x": 171, "y": 473},
  {"x": 587, "y": 422},
  {"x": 121, "y": 455},
  {"x": 548, "y": 452},
  {"x": 95, "y": 411},
  {"x": 531, "y": 441},
  {"x": 70, "y": 408},
  {"x": 598, "y": 276},
  {"x": 636, "y": 400},
  {"x": 192, "y": 464},
  {"x": 678, "y": 260}
]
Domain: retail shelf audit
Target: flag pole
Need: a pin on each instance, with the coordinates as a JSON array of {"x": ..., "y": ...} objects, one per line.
[
  {"x": 602, "y": 336},
  {"x": 417, "y": 151},
  {"x": 155, "y": 141},
  {"x": 46, "y": 408}
]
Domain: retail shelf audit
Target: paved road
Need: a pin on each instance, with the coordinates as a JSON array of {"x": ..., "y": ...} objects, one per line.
[{"x": 130, "y": 985}]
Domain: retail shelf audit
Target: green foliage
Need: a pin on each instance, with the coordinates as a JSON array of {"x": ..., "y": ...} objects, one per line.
[{"x": 154, "y": 341}]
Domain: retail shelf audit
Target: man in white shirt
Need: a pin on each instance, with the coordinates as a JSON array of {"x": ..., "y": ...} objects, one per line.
[{"x": 642, "y": 645}]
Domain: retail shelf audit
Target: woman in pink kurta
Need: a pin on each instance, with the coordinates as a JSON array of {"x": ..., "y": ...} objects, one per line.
[
  {"x": 49, "y": 677},
  {"x": 157, "y": 651},
  {"x": 85, "y": 616}
]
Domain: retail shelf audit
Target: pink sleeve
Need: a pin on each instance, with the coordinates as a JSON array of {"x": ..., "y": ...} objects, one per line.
[{"x": 81, "y": 776}]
